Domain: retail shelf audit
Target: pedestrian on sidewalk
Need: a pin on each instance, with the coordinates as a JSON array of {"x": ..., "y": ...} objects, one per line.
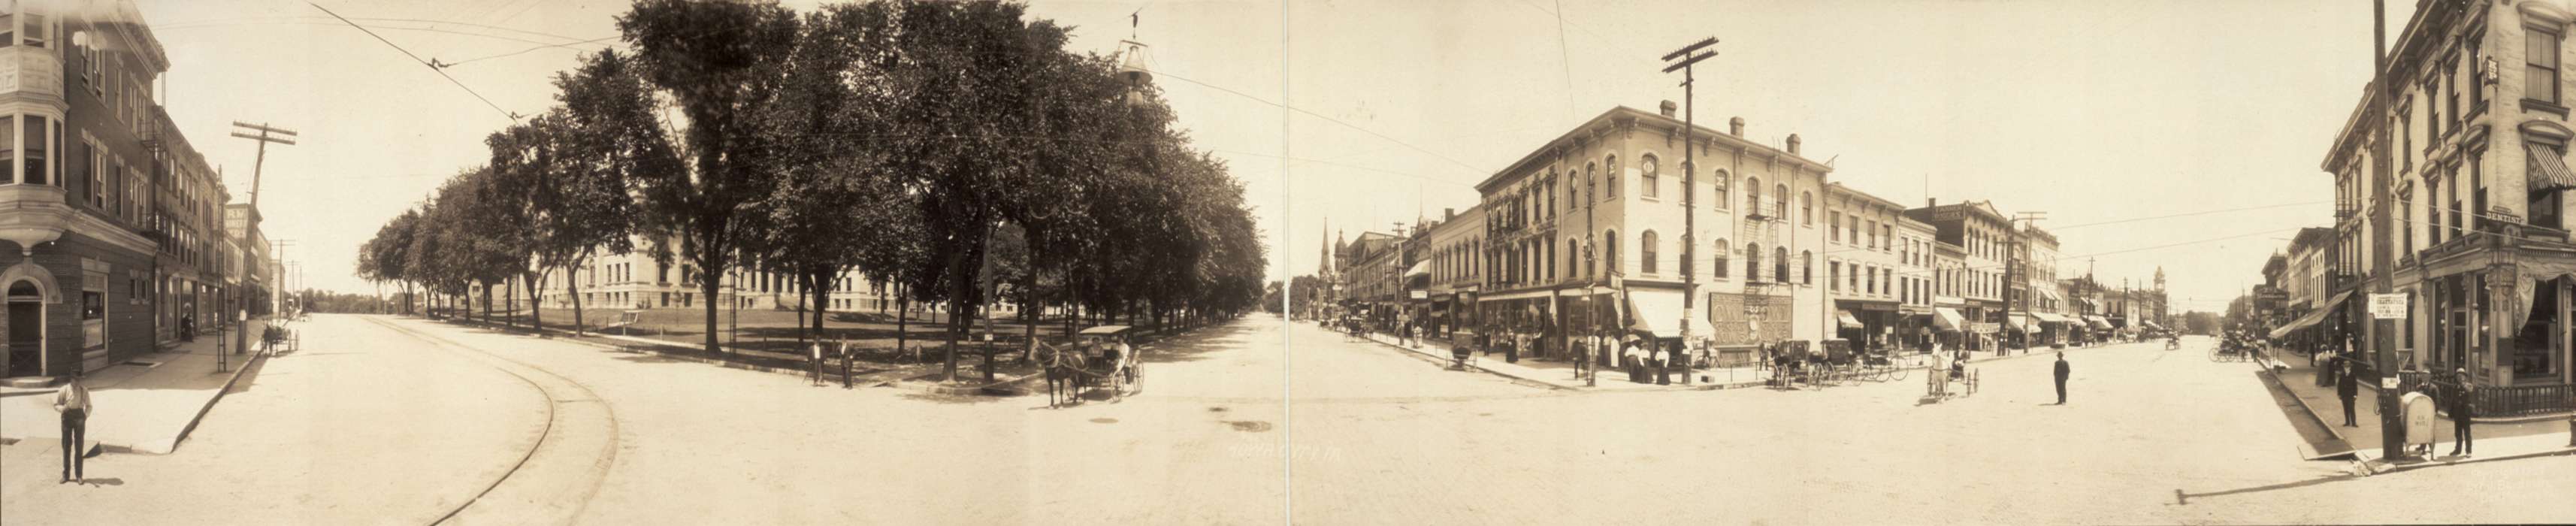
[
  {"x": 2062, "y": 372},
  {"x": 814, "y": 361},
  {"x": 2464, "y": 407},
  {"x": 1633, "y": 358},
  {"x": 2345, "y": 390},
  {"x": 1662, "y": 359},
  {"x": 72, "y": 400}
]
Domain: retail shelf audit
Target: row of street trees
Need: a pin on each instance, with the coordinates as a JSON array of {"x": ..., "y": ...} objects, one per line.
[{"x": 952, "y": 150}]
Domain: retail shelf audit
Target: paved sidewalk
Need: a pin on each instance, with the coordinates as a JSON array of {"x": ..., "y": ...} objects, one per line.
[
  {"x": 1561, "y": 374},
  {"x": 2504, "y": 448},
  {"x": 138, "y": 408},
  {"x": 2300, "y": 377}
]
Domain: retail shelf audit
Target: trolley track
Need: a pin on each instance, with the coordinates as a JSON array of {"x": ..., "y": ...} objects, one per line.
[{"x": 562, "y": 470}]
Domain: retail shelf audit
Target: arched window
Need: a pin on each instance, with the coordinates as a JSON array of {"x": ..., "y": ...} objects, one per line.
[
  {"x": 1591, "y": 181},
  {"x": 1610, "y": 251},
  {"x": 1722, "y": 195},
  {"x": 1646, "y": 252},
  {"x": 1780, "y": 264},
  {"x": 1807, "y": 267},
  {"x": 1780, "y": 193},
  {"x": 1610, "y": 169},
  {"x": 1752, "y": 198},
  {"x": 1550, "y": 209},
  {"x": 1573, "y": 257},
  {"x": 1646, "y": 182},
  {"x": 1753, "y": 262},
  {"x": 1723, "y": 256},
  {"x": 1807, "y": 208}
]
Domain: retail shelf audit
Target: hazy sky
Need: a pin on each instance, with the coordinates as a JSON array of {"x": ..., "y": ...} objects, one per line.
[{"x": 2090, "y": 111}]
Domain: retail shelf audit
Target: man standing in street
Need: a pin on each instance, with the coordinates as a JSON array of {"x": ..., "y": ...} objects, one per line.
[
  {"x": 2062, "y": 371},
  {"x": 2463, "y": 408},
  {"x": 2344, "y": 390},
  {"x": 72, "y": 400}
]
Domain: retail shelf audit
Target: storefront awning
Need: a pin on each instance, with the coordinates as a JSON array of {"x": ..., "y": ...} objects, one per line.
[
  {"x": 1657, "y": 311},
  {"x": 1422, "y": 268},
  {"x": 2017, "y": 323},
  {"x": 2548, "y": 170},
  {"x": 1848, "y": 321},
  {"x": 2150, "y": 324},
  {"x": 2303, "y": 322},
  {"x": 1949, "y": 319},
  {"x": 2049, "y": 317},
  {"x": 2096, "y": 322}
]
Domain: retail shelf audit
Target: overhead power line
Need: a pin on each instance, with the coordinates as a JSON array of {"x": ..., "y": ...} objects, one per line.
[
  {"x": 2187, "y": 214},
  {"x": 1327, "y": 118},
  {"x": 442, "y": 72}
]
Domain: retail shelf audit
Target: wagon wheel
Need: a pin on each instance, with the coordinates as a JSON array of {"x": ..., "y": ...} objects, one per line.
[{"x": 1135, "y": 376}]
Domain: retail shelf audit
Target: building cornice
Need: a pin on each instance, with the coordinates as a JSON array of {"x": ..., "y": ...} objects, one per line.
[{"x": 1620, "y": 118}]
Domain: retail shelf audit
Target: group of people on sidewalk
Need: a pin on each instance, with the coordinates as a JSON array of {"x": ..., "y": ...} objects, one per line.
[{"x": 2457, "y": 396}]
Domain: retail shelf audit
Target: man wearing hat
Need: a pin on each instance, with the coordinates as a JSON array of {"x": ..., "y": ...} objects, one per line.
[
  {"x": 72, "y": 401},
  {"x": 2345, "y": 390},
  {"x": 2463, "y": 408}
]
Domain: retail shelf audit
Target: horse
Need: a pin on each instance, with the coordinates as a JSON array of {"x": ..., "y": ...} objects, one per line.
[{"x": 1064, "y": 374}]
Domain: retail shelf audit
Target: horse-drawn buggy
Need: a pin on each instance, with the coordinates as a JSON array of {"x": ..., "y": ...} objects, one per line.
[{"x": 1099, "y": 357}]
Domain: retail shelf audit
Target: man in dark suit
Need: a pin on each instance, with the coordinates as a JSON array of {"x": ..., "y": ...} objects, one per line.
[
  {"x": 2344, "y": 390},
  {"x": 2062, "y": 372},
  {"x": 2463, "y": 408}
]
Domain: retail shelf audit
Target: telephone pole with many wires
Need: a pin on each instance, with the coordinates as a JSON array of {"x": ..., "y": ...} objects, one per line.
[
  {"x": 267, "y": 134},
  {"x": 1682, "y": 60}
]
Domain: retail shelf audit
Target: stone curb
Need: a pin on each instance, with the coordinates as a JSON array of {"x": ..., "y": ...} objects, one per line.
[
  {"x": 971, "y": 390},
  {"x": 2382, "y": 467},
  {"x": 1428, "y": 357},
  {"x": 2312, "y": 414},
  {"x": 568, "y": 337},
  {"x": 827, "y": 373},
  {"x": 256, "y": 359}
]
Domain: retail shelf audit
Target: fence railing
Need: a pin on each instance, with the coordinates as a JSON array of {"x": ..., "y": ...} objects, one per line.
[{"x": 2523, "y": 400}]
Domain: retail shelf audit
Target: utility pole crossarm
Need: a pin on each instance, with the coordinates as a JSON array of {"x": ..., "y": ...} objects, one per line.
[{"x": 267, "y": 134}]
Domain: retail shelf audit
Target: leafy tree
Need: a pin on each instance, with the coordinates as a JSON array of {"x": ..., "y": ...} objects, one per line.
[
  {"x": 821, "y": 216},
  {"x": 719, "y": 64},
  {"x": 611, "y": 138},
  {"x": 387, "y": 256}
]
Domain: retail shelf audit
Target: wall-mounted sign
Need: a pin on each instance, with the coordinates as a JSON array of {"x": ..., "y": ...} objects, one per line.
[{"x": 2388, "y": 306}]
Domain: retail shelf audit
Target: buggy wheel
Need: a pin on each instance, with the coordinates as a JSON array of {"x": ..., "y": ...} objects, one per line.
[{"x": 1897, "y": 372}]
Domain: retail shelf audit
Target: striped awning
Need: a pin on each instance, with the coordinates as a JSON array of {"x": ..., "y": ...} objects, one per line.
[{"x": 2548, "y": 170}]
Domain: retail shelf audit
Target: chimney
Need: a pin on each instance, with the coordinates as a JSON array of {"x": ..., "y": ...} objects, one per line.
[
  {"x": 1735, "y": 126},
  {"x": 1448, "y": 214},
  {"x": 1931, "y": 202},
  {"x": 1793, "y": 144},
  {"x": 1669, "y": 108}
]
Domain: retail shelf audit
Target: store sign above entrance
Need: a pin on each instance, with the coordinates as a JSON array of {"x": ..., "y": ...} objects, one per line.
[
  {"x": 2388, "y": 306},
  {"x": 1421, "y": 295}
]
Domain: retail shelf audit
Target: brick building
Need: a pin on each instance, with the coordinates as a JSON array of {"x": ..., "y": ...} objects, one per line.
[{"x": 115, "y": 222}]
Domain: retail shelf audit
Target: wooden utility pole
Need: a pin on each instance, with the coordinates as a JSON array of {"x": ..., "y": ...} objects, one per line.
[
  {"x": 267, "y": 134},
  {"x": 1687, "y": 56}
]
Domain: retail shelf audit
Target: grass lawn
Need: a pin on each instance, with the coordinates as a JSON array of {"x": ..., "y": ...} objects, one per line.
[{"x": 778, "y": 330}]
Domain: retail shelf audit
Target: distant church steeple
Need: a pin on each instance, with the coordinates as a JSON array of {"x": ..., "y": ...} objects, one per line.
[{"x": 1325, "y": 269}]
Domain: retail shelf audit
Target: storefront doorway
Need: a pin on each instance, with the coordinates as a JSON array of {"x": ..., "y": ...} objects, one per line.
[{"x": 26, "y": 330}]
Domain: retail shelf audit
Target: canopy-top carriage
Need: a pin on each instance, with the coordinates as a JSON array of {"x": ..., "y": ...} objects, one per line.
[{"x": 1099, "y": 357}]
